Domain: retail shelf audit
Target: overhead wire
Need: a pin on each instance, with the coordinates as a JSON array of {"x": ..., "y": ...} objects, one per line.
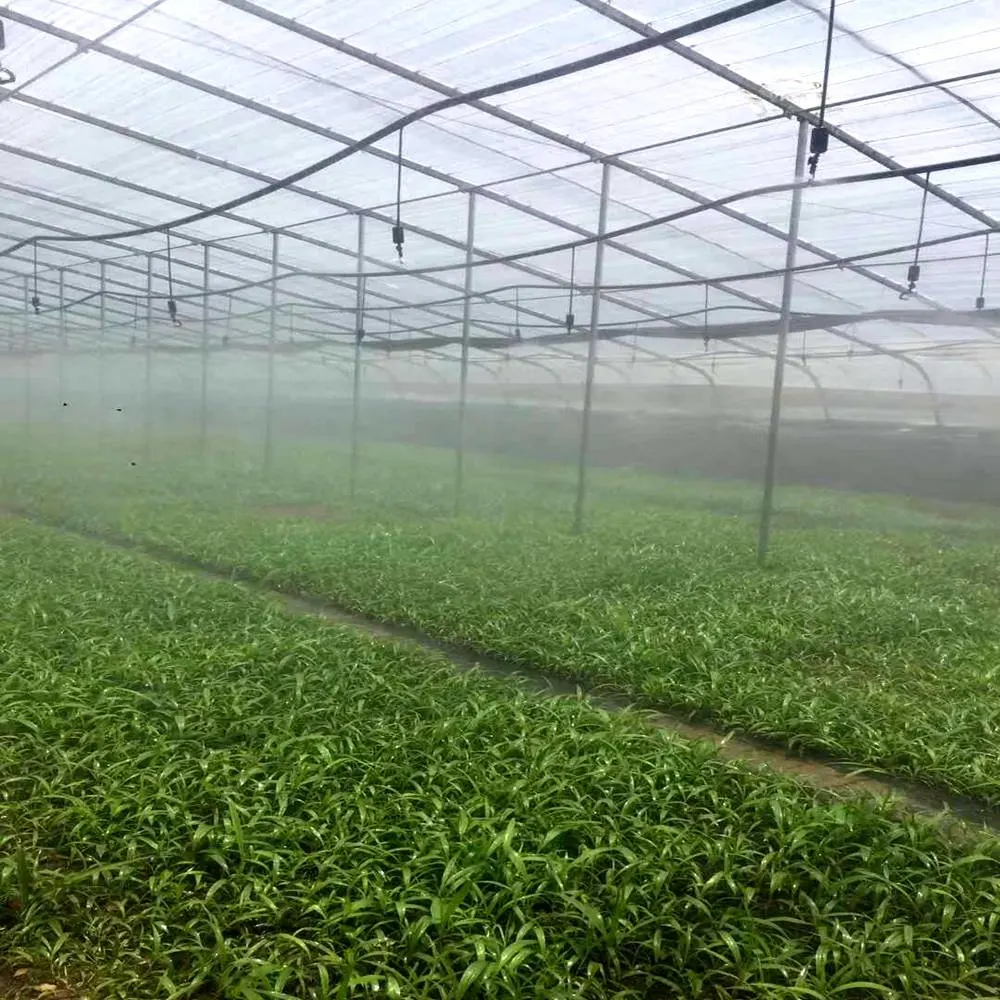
[
  {"x": 617, "y": 154},
  {"x": 620, "y": 153},
  {"x": 733, "y": 277},
  {"x": 781, "y": 116},
  {"x": 495, "y": 260},
  {"x": 499, "y": 259},
  {"x": 491, "y": 261},
  {"x": 881, "y": 53},
  {"x": 493, "y": 90},
  {"x": 382, "y": 342}
]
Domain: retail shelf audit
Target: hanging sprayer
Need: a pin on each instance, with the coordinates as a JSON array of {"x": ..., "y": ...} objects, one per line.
[
  {"x": 398, "y": 232},
  {"x": 570, "y": 318},
  {"x": 7, "y": 76},
  {"x": 913, "y": 271},
  {"x": 981, "y": 297},
  {"x": 36, "y": 302},
  {"x": 171, "y": 301},
  {"x": 819, "y": 138}
]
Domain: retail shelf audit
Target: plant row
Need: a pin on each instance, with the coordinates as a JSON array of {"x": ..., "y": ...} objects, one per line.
[{"x": 201, "y": 795}]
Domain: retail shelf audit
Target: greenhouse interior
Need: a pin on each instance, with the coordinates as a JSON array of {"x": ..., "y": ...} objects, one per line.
[{"x": 499, "y": 500}]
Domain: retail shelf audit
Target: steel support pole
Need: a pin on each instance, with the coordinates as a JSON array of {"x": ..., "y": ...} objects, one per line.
[
  {"x": 595, "y": 317},
  {"x": 463, "y": 379},
  {"x": 26, "y": 342},
  {"x": 60, "y": 360},
  {"x": 147, "y": 422},
  {"x": 272, "y": 335},
  {"x": 101, "y": 389},
  {"x": 359, "y": 336},
  {"x": 203, "y": 415},
  {"x": 791, "y": 249}
]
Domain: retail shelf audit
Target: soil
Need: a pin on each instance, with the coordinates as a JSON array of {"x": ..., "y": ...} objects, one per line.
[{"x": 27, "y": 984}]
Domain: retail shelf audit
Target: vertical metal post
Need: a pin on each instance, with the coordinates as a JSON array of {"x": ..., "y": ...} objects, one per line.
[
  {"x": 26, "y": 342},
  {"x": 359, "y": 336},
  {"x": 791, "y": 249},
  {"x": 463, "y": 382},
  {"x": 203, "y": 421},
  {"x": 102, "y": 416},
  {"x": 595, "y": 316},
  {"x": 147, "y": 422},
  {"x": 271, "y": 345},
  {"x": 60, "y": 360}
]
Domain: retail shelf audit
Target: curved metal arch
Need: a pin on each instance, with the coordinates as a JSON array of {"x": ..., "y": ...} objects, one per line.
[
  {"x": 499, "y": 362},
  {"x": 533, "y": 363},
  {"x": 931, "y": 388},
  {"x": 681, "y": 363},
  {"x": 555, "y": 280},
  {"x": 382, "y": 367},
  {"x": 371, "y": 359},
  {"x": 824, "y": 400},
  {"x": 423, "y": 356},
  {"x": 684, "y": 363},
  {"x": 981, "y": 365},
  {"x": 552, "y": 372},
  {"x": 818, "y": 384},
  {"x": 914, "y": 364},
  {"x": 347, "y": 368},
  {"x": 707, "y": 376}
]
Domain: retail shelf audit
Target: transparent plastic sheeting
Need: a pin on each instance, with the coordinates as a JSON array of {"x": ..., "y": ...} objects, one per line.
[{"x": 128, "y": 113}]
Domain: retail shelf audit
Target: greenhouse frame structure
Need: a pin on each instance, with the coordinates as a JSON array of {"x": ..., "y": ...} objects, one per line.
[{"x": 572, "y": 223}]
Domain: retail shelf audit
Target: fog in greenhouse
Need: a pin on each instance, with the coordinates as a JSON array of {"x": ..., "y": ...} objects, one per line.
[{"x": 706, "y": 421}]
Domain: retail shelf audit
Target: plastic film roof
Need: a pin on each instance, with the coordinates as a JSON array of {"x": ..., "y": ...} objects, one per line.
[{"x": 130, "y": 113}]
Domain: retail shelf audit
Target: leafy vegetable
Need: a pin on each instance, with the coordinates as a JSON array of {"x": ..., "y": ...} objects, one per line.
[
  {"x": 203, "y": 796},
  {"x": 871, "y": 638}
]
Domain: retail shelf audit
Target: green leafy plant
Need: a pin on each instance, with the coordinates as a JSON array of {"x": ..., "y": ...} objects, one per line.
[
  {"x": 871, "y": 638},
  {"x": 201, "y": 795}
]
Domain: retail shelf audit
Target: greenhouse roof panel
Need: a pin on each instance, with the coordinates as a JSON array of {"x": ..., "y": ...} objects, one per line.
[{"x": 135, "y": 113}]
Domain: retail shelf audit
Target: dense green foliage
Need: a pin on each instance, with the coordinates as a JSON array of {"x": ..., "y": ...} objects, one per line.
[
  {"x": 201, "y": 796},
  {"x": 872, "y": 636}
]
